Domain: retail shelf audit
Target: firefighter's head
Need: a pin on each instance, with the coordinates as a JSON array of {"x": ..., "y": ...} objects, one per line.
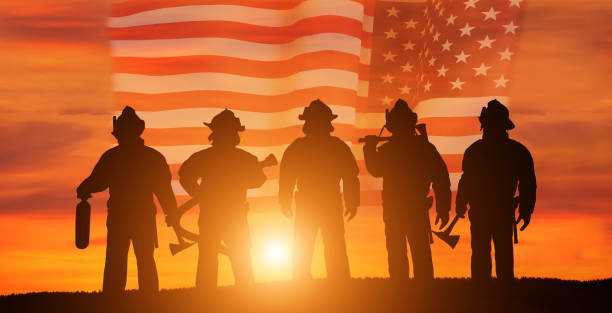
[
  {"x": 317, "y": 118},
  {"x": 128, "y": 125},
  {"x": 495, "y": 117},
  {"x": 401, "y": 119},
  {"x": 225, "y": 127}
]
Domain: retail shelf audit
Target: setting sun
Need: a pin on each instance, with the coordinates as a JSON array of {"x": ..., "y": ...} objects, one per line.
[{"x": 276, "y": 254}]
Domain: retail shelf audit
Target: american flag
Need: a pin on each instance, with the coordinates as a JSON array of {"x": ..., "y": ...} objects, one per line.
[{"x": 180, "y": 62}]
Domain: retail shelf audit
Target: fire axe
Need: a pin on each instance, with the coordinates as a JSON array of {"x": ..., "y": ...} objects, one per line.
[{"x": 452, "y": 240}]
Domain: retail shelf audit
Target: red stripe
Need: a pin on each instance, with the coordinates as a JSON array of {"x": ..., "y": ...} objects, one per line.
[
  {"x": 135, "y": 6},
  {"x": 223, "y": 64},
  {"x": 240, "y": 31},
  {"x": 233, "y": 100}
]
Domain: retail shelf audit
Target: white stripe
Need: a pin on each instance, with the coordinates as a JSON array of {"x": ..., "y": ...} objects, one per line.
[
  {"x": 444, "y": 144},
  {"x": 438, "y": 107},
  {"x": 455, "y": 107},
  {"x": 366, "y": 56},
  {"x": 234, "y": 83},
  {"x": 270, "y": 187},
  {"x": 252, "y": 120},
  {"x": 236, "y": 48},
  {"x": 362, "y": 88},
  {"x": 242, "y": 14},
  {"x": 368, "y": 23}
]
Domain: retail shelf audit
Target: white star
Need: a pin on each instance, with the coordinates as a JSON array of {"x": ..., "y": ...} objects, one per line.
[
  {"x": 436, "y": 36},
  {"x": 491, "y": 14},
  {"x": 389, "y": 56},
  {"x": 451, "y": 20},
  {"x": 446, "y": 45},
  {"x": 431, "y": 29},
  {"x": 437, "y": 6},
  {"x": 411, "y": 24},
  {"x": 510, "y": 28},
  {"x": 470, "y": 4},
  {"x": 462, "y": 57},
  {"x": 386, "y": 100},
  {"x": 407, "y": 67},
  {"x": 442, "y": 71},
  {"x": 505, "y": 55},
  {"x": 501, "y": 82},
  {"x": 391, "y": 34},
  {"x": 426, "y": 11},
  {"x": 388, "y": 78},
  {"x": 482, "y": 70},
  {"x": 423, "y": 32},
  {"x": 457, "y": 84},
  {"x": 516, "y": 3},
  {"x": 427, "y": 86},
  {"x": 427, "y": 52},
  {"x": 485, "y": 42},
  {"x": 466, "y": 30},
  {"x": 441, "y": 12},
  {"x": 392, "y": 12},
  {"x": 408, "y": 46},
  {"x": 432, "y": 61},
  {"x": 405, "y": 89}
]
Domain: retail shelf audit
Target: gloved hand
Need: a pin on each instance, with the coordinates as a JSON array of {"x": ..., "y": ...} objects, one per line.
[
  {"x": 460, "y": 210},
  {"x": 350, "y": 213},
  {"x": 443, "y": 218},
  {"x": 370, "y": 141},
  {"x": 526, "y": 218}
]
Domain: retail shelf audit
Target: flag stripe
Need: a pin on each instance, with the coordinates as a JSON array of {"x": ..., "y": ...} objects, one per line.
[
  {"x": 245, "y": 32},
  {"x": 236, "y": 48},
  {"x": 124, "y": 82},
  {"x": 242, "y": 14},
  {"x": 222, "y": 64},
  {"x": 233, "y": 100},
  {"x": 135, "y": 6}
]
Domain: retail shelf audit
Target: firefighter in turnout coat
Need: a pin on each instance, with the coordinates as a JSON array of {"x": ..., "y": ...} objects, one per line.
[
  {"x": 409, "y": 165},
  {"x": 133, "y": 173},
  {"x": 316, "y": 163},
  {"x": 493, "y": 168},
  {"x": 225, "y": 172}
]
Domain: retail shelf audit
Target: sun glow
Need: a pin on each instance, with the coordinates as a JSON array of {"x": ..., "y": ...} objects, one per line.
[{"x": 276, "y": 254}]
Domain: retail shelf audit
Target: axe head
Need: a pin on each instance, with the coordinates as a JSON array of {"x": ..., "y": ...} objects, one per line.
[
  {"x": 178, "y": 247},
  {"x": 451, "y": 240}
]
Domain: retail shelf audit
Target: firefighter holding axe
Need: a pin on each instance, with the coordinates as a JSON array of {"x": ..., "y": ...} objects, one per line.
[
  {"x": 409, "y": 164},
  {"x": 218, "y": 178}
]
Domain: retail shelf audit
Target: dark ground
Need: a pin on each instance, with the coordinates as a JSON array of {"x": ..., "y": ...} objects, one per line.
[{"x": 360, "y": 295}]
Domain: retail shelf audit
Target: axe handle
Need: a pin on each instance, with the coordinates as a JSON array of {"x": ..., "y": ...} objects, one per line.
[{"x": 515, "y": 232}]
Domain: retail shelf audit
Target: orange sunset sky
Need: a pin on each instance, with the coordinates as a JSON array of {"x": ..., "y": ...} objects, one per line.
[{"x": 55, "y": 121}]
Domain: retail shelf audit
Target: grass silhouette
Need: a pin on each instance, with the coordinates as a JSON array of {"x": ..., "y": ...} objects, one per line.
[{"x": 359, "y": 295}]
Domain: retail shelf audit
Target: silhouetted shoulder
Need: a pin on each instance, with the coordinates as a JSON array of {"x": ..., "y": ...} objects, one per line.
[
  {"x": 247, "y": 156},
  {"x": 474, "y": 146}
]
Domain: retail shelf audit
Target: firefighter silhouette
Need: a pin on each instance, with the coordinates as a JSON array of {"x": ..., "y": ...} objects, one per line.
[
  {"x": 226, "y": 172},
  {"x": 493, "y": 167},
  {"x": 317, "y": 163},
  {"x": 409, "y": 165},
  {"x": 133, "y": 173}
]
